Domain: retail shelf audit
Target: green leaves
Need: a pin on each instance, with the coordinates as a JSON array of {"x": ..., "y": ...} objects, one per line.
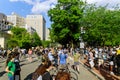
[
  {"x": 66, "y": 21},
  {"x": 35, "y": 39},
  {"x": 104, "y": 27},
  {"x": 20, "y": 37},
  {"x": 64, "y": 32}
]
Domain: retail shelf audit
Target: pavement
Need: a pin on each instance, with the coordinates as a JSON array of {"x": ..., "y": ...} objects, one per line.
[
  {"x": 85, "y": 72},
  {"x": 27, "y": 68}
]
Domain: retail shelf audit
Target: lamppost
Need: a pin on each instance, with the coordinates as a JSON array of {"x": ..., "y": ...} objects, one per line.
[
  {"x": 81, "y": 38},
  {"x": 82, "y": 42}
]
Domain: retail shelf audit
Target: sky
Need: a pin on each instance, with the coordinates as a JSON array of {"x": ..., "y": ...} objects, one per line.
[{"x": 25, "y": 7}]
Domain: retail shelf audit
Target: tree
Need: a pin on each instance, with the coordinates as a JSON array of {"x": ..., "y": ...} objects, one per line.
[
  {"x": 46, "y": 43},
  {"x": 19, "y": 37},
  {"x": 66, "y": 17},
  {"x": 35, "y": 40},
  {"x": 101, "y": 24},
  {"x": 12, "y": 43}
]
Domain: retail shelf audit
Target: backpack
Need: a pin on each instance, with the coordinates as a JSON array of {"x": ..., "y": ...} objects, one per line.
[
  {"x": 17, "y": 66},
  {"x": 35, "y": 76}
]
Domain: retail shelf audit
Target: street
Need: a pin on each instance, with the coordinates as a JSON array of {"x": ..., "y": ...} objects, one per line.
[{"x": 28, "y": 68}]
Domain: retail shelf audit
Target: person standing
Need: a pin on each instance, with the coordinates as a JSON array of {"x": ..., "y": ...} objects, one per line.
[
  {"x": 10, "y": 66},
  {"x": 17, "y": 75},
  {"x": 62, "y": 59},
  {"x": 76, "y": 61},
  {"x": 91, "y": 58},
  {"x": 118, "y": 61},
  {"x": 50, "y": 55},
  {"x": 30, "y": 52}
]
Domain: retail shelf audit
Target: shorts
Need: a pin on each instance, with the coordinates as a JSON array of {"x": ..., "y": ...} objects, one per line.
[
  {"x": 100, "y": 61},
  {"x": 76, "y": 63}
]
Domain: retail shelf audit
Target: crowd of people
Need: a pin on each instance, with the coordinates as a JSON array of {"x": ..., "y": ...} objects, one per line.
[
  {"x": 56, "y": 58},
  {"x": 51, "y": 58},
  {"x": 102, "y": 57}
]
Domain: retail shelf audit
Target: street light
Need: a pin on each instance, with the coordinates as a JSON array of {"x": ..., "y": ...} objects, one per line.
[
  {"x": 81, "y": 41},
  {"x": 81, "y": 38}
]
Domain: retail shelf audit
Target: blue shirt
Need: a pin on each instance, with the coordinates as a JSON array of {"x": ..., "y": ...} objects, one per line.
[{"x": 63, "y": 58}]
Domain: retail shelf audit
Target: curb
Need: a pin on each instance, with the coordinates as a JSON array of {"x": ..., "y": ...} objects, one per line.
[{"x": 94, "y": 73}]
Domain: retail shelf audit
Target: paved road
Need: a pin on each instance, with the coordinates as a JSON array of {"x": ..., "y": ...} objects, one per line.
[{"x": 28, "y": 68}]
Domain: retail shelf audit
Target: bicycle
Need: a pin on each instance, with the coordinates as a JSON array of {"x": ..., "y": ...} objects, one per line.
[{"x": 73, "y": 75}]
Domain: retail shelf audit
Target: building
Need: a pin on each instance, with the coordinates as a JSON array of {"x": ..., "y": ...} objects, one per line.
[
  {"x": 30, "y": 29},
  {"x": 32, "y": 23},
  {"x": 4, "y": 26},
  {"x": 38, "y": 23},
  {"x": 16, "y": 19},
  {"x": 47, "y": 34},
  {"x": 3, "y": 39}
]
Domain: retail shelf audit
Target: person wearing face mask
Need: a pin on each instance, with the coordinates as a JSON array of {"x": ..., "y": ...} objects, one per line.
[{"x": 10, "y": 66}]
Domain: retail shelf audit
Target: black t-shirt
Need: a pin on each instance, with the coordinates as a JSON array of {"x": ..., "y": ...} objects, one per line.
[{"x": 46, "y": 76}]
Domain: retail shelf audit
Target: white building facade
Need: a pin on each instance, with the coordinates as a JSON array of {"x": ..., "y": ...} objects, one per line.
[
  {"x": 16, "y": 19},
  {"x": 38, "y": 23}
]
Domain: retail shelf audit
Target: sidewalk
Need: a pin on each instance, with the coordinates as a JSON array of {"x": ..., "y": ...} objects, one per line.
[{"x": 102, "y": 74}]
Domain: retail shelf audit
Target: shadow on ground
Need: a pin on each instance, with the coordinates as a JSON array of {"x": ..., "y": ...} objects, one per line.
[
  {"x": 104, "y": 73},
  {"x": 107, "y": 76},
  {"x": 27, "y": 63},
  {"x": 2, "y": 73},
  {"x": 29, "y": 77}
]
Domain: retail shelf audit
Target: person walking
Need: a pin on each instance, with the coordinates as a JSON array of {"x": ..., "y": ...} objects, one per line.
[{"x": 10, "y": 66}]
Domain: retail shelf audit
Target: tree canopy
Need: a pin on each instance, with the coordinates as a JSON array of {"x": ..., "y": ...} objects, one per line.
[
  {"x": 36, "y": 41},
  {"x": 101, "y": 24},
  {"x": 66, "y": 17},
  {"x": 20, "y": 37}
]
